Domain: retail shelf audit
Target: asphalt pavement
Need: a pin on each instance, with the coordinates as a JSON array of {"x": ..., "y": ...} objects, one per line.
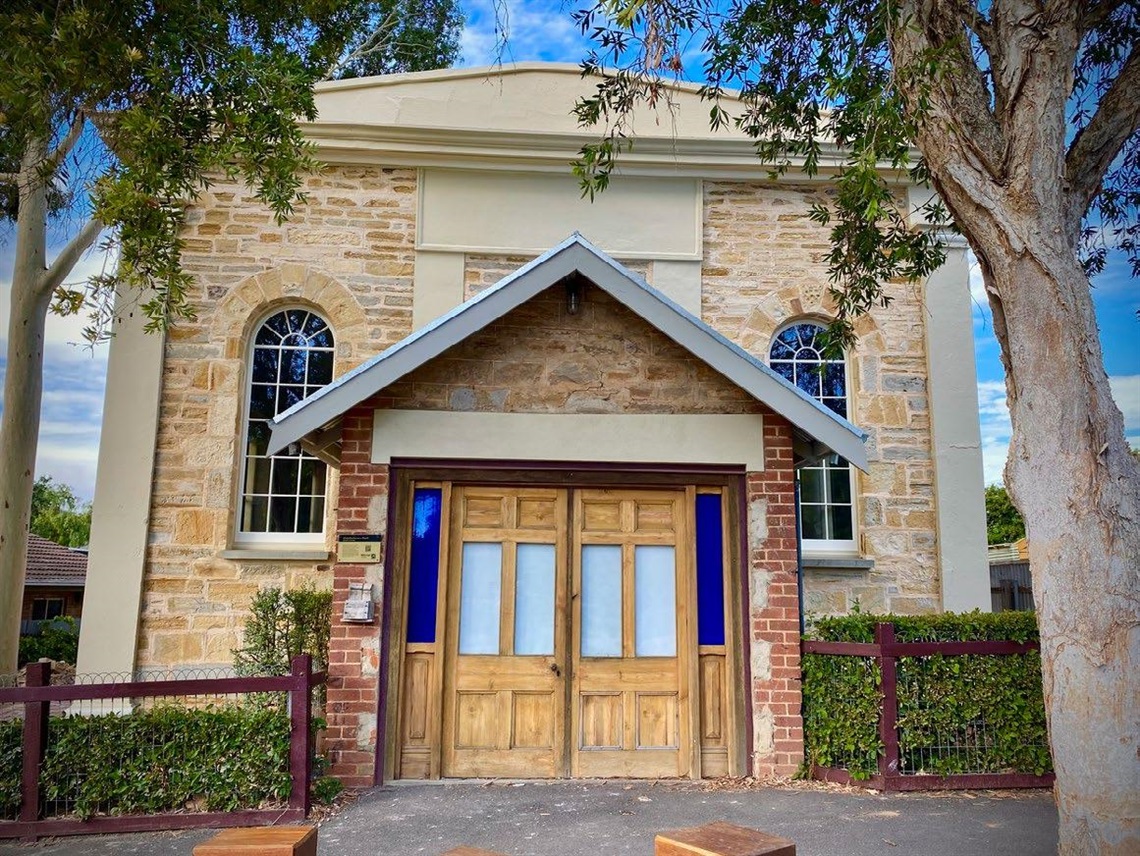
[{"x": 614, "y": 817}]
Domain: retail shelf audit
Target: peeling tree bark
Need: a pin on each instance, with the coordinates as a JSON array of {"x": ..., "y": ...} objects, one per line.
[
  {"x": 1070, "y": 472},
  {"x": 1069, "y": 469}
]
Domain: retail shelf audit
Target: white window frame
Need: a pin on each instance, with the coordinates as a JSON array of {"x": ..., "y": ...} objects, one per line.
[
  {"x": 823, "y": 547},
  {"x": 243, "y": 538}
]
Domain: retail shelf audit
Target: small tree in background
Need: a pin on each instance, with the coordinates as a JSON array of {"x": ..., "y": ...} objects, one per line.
[
  {"x": 1004, "y": 524},
  {"x": 112, "y": 115},
  {"x": 58, "y": 514}
]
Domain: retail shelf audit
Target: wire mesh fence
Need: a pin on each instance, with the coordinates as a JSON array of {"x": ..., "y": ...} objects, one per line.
[
  {"x": 161, "y": 745},
  {"x": 926, "y": 714}
]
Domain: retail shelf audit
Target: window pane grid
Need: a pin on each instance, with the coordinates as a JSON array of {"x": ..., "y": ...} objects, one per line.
[
  {"x": 826, "y": 505},
  {"x": 292, "y": 358}
]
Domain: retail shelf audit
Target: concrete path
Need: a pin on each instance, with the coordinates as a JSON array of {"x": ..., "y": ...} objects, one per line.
[{"x": 589, "y": 818}]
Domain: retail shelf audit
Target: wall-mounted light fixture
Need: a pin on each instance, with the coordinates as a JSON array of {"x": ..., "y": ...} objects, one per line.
[{"x": 573, "y": 297}]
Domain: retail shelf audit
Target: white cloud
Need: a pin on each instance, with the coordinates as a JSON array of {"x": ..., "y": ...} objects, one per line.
[
  {"x": 1126, "y": 392},
  {"x": 71, "y": 412},
  {"x": 535, "y": 30},
  {"x": 993, "y": 413}
]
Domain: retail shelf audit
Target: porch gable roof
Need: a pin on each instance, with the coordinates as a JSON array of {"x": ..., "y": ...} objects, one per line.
[{"x": 818, "y": 429}]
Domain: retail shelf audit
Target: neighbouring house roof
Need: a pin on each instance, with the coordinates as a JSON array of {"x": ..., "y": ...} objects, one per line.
[
  {"x": 818, "y": 430},
  {"x": 1018, "y": 551},
  {"x": 52, "y": 564}
]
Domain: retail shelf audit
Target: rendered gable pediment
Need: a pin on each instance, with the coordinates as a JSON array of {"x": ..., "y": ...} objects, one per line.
[{"x": 819, "y": 429}]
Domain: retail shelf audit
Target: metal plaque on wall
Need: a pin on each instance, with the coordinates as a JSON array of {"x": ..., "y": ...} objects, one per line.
[{"x": 361, "y": 548}]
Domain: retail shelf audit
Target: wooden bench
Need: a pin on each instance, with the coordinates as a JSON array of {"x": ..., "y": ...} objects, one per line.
[
  {"x": 721, "y": 839},
  {"x": 264, "y": 841}
]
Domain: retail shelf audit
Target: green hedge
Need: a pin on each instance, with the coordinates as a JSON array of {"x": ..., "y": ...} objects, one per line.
[
  {"x": 970, "y": 714},
  {"x": 57, "y": 640},
  {"x": 169, "y": 758}
]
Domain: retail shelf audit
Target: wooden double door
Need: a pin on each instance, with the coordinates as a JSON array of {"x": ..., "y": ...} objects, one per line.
[{"x": 568, "y": 641}]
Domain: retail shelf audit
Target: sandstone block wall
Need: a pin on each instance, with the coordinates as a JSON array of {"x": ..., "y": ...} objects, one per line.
[
  {"x": 348, "y": 253},
  {"x": 764, "y": 267},
  {"x": 540, "y": 359}
]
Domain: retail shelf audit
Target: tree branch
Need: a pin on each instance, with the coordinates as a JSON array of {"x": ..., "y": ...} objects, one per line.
[
  {"x": 376, "y": 40},
  {"x": 68, "y": 142},
  {"x": 1092, "y": 15},
  {"x": 1098, "y": 143},
  {"x": 975, "y": 21},
  {"x": 9, "y": 177},
  {"x": 960, "y": 99},
  {"x": 51, "y": 278}
]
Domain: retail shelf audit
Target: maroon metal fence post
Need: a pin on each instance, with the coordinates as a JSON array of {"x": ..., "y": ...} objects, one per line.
[
  {"x": 889, "y": 714},
  {"x": 35, "y": 741},
  {"x": 300, "y": 733}
]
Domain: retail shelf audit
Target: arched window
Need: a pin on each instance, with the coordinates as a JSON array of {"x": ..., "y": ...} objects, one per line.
[
  {"x": 827, "y": 519},
  {"x": 283, "y": 495}
]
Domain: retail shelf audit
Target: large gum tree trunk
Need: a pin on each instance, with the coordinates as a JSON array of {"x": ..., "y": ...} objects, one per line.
[
  {"x": 1071, "y": 474},
  {"x": 1000, "y": 159},
  {"x": 23, "y": 387}
]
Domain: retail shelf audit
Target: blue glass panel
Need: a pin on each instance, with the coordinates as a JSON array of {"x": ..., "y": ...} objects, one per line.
[
  {"x": 710, "y": 570},
  {"x": 314, "y": 325},
  {"x": 423, "y": 583},
  {"x": 278, "y": 324}
]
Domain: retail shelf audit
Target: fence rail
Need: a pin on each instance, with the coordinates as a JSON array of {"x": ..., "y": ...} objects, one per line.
[
  {"x": 38, "y": 696},
  {"x": 887, "y": 651}
]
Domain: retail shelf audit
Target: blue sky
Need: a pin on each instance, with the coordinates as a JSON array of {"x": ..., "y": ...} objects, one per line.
[{"x": 75, "y": 376}]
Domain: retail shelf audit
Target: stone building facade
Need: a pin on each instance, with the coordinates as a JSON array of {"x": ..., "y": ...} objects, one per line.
[{"x": 439, "y": 191}]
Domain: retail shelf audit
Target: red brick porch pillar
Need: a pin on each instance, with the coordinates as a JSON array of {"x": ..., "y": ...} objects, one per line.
[
  {"x": 354, "y": 649},
  {"x": 777, "y": 724}
]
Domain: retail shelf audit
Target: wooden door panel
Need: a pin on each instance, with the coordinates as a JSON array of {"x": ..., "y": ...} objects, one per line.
[
  {"x": 532, "y": 720},
  {"x": 602, "y": 724},
  {"x": 504, "y": 707},
  {"x": 476, "y": 720},
  {"x": 537, "y": 513},
  {"x": 656, "y": 720},
  {"x": 483, "y": 511},
  {"x": 631, "y": 718}
]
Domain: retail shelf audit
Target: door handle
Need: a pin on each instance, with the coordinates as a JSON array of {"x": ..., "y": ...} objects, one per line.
[{"x": 557, "y": 671}]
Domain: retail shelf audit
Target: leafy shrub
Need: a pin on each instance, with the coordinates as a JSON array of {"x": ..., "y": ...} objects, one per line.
[
  {"x": 326, "y": 789},
  {"x": 58, "y": 640},
  {"x": 943, "y": 627},
  {"x": 282, "y": 625},
  {"x": 169, "y": 758},
  {"x": 841, "y": 713},
  {"x": 11, "y": 767},
  {"x": 956, "y": 714}
]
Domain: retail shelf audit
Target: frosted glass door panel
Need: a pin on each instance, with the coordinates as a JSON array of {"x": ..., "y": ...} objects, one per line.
[
  {"x": 480, "y": 595},
  {"x": 655, "y": 602},
  {"x": 534, "y": 599},
  {"x": 601, "y": 600}
]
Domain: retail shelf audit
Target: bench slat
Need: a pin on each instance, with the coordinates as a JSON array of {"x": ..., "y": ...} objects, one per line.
[{"x": 721, "y": 839}]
